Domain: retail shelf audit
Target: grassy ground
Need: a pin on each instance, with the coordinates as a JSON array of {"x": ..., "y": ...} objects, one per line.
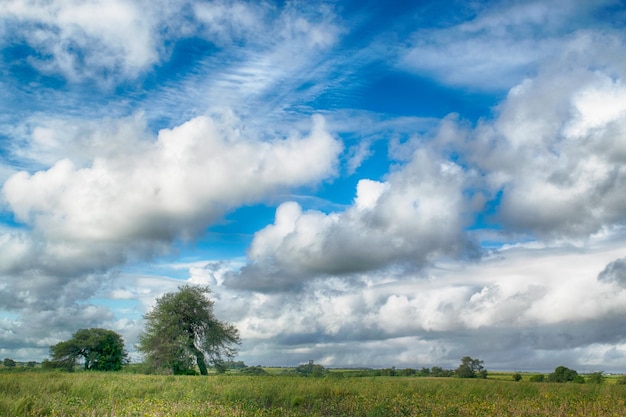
[{"x": 117, "y": 394}]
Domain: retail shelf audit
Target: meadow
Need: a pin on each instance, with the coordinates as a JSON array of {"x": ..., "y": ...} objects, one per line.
[{"x": 119, "y": 394}]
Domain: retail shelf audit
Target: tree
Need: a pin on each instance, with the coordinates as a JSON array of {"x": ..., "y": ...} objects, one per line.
[
  {"x": 311, "y": 369},
  {"x": 100, "y": 350},
  {"x": 182, "y": 332},
  {"x": 470, "y": 368},
  {"x": 596, "y": 377},
  {"x": 517, "y": 376},
  {"x": 438, "y": 371},
  {"x": 9, "y": 363},
  {"x": 563, "y": 374}
]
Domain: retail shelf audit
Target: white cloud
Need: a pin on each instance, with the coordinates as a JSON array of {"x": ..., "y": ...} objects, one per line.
[
  {"x": 110, "y": 41},
  {"x": 554, "y": 156},
  {"x": 415, "y": 216},
  {"x": 544, "y": 303},
  {"x": 84, "y": 38},
  {"x": 173, "y": 187},
  {"x": 597, "y": 106},
  {"x": 500, "y": 46},
  {"x": 129, "y": 199}
]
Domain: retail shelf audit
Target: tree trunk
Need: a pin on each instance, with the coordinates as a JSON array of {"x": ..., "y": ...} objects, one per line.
[{"x": 199, "y": 358}]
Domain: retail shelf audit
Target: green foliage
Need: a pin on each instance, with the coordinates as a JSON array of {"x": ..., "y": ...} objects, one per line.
[
  {"x": 388, "y": 372},
  {"x": 621, "y": 380},
  {"x": 471, "y": 368},
  {"x": 9, "y": 363},
  {"x": 230, "y": 364},
  {"x": 424, "y": 372},
  {"x": 564, "y": 374},
  {"x": 407, "y": 372},
  {"x": 83, "y": 394},
  {"x": 311, "y": 369},
  {"x": 253, "y": 370},
  {"x": 596, "y": 378},
  {"x": 182, "y": 332},
  {"x": 100, "y": 350},
  {"x": 537, "y": 378},
  {"x": 439, "y": 372},
  {"x": 517, "y": 376}
]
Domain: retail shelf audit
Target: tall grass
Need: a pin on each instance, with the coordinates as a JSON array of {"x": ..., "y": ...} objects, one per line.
[{"x": 108, "y": 394}]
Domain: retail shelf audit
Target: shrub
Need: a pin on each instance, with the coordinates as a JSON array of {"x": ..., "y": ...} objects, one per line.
[
  {"x": 596, "y": 377},
  {"x": 253, "y": 370},
  {"x": 564, "y": 374},
  {"x": 311, "y": 369},
  {"x": 537, "y": 378}
]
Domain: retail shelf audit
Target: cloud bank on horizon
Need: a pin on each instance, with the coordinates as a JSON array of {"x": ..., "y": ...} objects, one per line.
[{"x": 359, "y": 183}]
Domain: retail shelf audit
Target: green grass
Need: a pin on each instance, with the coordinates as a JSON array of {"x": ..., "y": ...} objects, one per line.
[{"x": 119, "y": 394}]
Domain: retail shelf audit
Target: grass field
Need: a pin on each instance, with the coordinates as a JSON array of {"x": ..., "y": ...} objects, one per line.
[{"x": 119, "y": 394}]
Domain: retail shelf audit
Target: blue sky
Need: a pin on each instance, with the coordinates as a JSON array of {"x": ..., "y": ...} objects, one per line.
[{"x": 359, "y": 183}]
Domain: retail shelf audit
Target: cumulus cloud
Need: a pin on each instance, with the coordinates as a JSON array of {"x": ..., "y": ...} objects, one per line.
[
  {"x": 554, "y": 156},
  {"x": 382, "y": 281},
  {"x": 521, "y": 308},
  {"x": 79, "y": 221},
  {"x": 416, "y": 215},
  {"x": 615, "y": 272}
]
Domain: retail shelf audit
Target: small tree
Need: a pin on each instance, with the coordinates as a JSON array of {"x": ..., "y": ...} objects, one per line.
[
  {"x": 182, "y": 332},
  {"x": 596, "y": 377},
  {"x": 100, "y": 350},
  {"x": 439, "y": 372},
  {"x": 563, "y": 374},
  {"x": 9, "y": 363},
  {"x": 517, "y": 376},
  {"x": 471, "y": 368},
  {"x": 311, "y": 369}
]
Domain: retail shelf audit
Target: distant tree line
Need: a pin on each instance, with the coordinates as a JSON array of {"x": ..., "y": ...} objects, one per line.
[
  {"x": 469, "y": 368},
  {"x": 10, "y": 363}
]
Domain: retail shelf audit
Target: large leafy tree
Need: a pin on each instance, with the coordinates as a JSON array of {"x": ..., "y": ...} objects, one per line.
[
  {"x": 99, "y": 349},
  {"x": 182, "y": 332},
  {"x": 471, "y": 368}
]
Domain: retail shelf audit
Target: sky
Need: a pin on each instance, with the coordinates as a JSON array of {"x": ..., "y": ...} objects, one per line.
[{"x": 360, "y": 183}]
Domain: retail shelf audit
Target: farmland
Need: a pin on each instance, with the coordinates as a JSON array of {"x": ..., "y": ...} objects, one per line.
[{"x": 120, "y": 394}]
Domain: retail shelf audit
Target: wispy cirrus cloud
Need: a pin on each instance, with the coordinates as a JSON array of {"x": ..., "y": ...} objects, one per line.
[{"x": 501, "y": 45}]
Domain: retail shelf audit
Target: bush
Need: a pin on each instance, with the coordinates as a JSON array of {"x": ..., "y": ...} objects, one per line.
[
  {"x": 563, "y": 374},
  {"x": 9, "y": 363},
  {"x": 596, "y": 378},
  {"x": 253, "y": 370},
  {"x": 517, "y": 376},
  {"x": 537, "y": 378},
  {"x": 311, "y": 369}
]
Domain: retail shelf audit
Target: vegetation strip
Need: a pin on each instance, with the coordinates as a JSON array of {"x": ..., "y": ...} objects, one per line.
[{"x": 118, "y": 394}]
